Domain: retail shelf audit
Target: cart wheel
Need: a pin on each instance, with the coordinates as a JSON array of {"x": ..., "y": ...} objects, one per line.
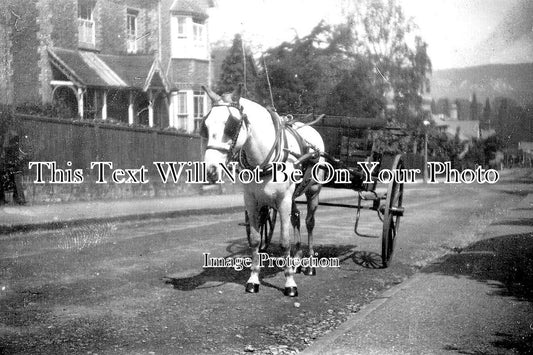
[
  {"x": 267, "y": 222},
  {"x": 392, "y": 213}
]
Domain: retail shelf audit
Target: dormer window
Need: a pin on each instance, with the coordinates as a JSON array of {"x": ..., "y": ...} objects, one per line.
[
  {"x": 86, "y": 27},
  {"x": 131, "y": 30}
]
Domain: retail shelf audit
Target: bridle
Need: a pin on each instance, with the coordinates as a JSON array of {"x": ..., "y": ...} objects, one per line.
[{"x": 232, "y": 128}]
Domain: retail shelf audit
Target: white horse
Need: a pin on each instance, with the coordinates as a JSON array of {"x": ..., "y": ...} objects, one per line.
[{"x": 237, "y": 125}]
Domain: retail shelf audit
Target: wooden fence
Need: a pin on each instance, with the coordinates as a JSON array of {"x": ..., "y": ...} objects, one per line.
[{"x": 83, "y": 141}]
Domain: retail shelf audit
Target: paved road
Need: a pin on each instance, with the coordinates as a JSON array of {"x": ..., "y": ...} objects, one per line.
[{"x": 139, "y": 287}]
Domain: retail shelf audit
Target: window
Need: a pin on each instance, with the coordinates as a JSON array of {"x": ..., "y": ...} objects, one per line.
[
  {"x": 182, "y": 110},
  {"x": 198, "y": 34},
  {"x": 131, "y": 30},
  {"x": 182, "y": 27},
  {"x": 198, "y": 104},
  {"x": 86, "y": 32},
  {"x": 198, "y": 100}
]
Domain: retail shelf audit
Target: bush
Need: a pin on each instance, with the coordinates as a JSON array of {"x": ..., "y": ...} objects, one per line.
[
  {"x": 59, "y": 110},
  {"x": 6, "y": 118}
]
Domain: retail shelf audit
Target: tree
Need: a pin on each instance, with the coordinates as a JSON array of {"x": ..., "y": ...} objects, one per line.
[
  {"x": 446, "y": 109},
  {"x": 355, "y": 95},
  {"x": 232, "y": 71},
  {"x": 502, "y": 115},
  {"x": 381, "y": 33},
  {"x": 304, "y": 72},
  {"x": 433, "y": 106},
  {"x": 474, "y": 114},
  {"x": 6, "y": 124},
  {"x": 487, "y": 114}
]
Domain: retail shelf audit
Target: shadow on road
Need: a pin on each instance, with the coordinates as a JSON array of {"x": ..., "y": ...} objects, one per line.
[
  {"x": 367, "y": 259},
  {"x": 239, "y": 248},
  {"x": 506, "y": 259},
  {"x": 517, "y": 222}
]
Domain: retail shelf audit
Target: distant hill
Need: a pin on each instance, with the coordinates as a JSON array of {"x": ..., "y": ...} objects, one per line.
[
  {"x": 514, "y": 81},
  {"x": 498, "y": 57}
]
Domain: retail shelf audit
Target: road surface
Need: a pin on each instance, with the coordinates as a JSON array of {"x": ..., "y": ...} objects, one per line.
[{"x": 139, "y": 287}]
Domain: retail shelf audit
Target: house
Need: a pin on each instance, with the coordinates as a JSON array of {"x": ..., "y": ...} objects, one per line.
[
  {"x": 464, "y": 130},
  {"x": 526, "y": 153},
  {"x": 138, "y": 62}
]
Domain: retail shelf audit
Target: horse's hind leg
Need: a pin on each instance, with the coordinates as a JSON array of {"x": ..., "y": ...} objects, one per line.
[
  {"x": 285, "y": 209},
  {"x": 312, "y": 204},
  {"x": 254, "y": 241},
  {"x": 295, "y": 221}
]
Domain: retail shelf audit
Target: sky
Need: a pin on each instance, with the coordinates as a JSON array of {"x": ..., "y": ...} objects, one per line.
[{"x": 450, "y": 27}]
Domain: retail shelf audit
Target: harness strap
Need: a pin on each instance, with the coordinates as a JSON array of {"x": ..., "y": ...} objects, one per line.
[
  {"x": 302, "y": 144},
  {"x": 279, "y": 151},
  {"x": 280, "y": 140}
]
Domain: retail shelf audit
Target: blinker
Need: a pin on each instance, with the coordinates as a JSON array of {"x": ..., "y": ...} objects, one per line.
[
  {"x": 203, "y": 129},
  {"x": 231, "y": 128},
  {"x": 232, "y": 125}
]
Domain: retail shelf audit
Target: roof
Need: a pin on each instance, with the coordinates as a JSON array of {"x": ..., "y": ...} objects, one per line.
[
  {"x": 133, "y": 69},
  {"x": 526, "y": 146},
  {"x": 89, "y": 69},
  {"x": 196, "y": 8},
  {"x": 352, "y": 122},
  {"x": 486, "y": 133},
  {"x": 466, "y": 129}
]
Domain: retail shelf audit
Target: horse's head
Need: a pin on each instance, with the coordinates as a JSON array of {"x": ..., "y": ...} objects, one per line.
[{"x": 224, "y": 127}]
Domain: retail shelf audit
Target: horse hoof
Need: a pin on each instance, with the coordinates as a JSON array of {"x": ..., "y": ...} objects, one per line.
[
  {"x": 291, "y": 291},
  {"x": 298, "y": 269},
  {"x": 310, "y": 271},
  {"x": 252, "y": 288}
]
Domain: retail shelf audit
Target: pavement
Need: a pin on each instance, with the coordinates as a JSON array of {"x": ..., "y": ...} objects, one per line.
[
  {"x": 15, "y": 218},
  {"x": 478, "y": 300}
]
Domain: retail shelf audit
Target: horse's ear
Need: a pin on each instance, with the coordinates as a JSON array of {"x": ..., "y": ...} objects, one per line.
[
  {"x": 236, "y": 94},
  {"x": 212, "y": 95}
]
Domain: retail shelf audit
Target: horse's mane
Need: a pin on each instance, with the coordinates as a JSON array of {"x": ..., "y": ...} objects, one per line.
[{"x": 247, "y": 103}]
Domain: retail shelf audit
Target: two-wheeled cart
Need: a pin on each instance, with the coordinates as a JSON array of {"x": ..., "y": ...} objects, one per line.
[{"x": 349, "y": 142}]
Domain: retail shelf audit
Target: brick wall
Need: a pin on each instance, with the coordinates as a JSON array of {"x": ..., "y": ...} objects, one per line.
[
  {"x": 62, "y": 18},
  {"x": 111, "y": 17},
  {"x": 165, "y": 34},
  {"x": 151, "y": 25},
  {"x": 45, "y": 40},
  {"x": 24, "y": 49},
  {"x": 189, "y": 72},
  {"x": 111, "y": 28},
  {"x": 110, "y": 20},
  {"x": 6, "y": 58}
]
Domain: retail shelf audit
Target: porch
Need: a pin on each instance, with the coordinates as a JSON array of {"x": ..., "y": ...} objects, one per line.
[{"x": 125, "y": 89}]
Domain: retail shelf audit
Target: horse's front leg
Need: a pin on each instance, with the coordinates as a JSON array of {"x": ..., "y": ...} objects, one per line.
[
  {"x": 285, "y": 210},
  {"x": 254, "y": 241}
]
